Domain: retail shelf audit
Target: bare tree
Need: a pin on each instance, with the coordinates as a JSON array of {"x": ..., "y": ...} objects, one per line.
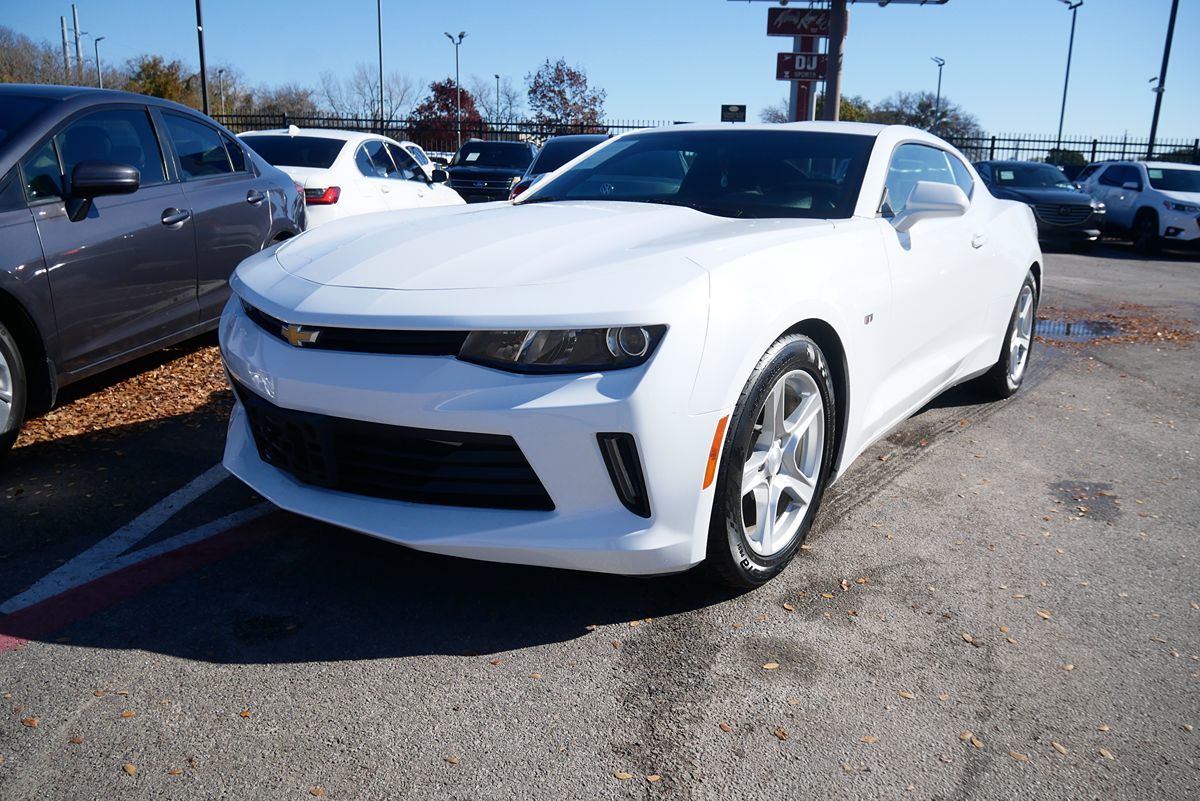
[
  {"x": 358, "y": 95},
  {"x": 23, "y": 60},
  {"x": 511, "y": 101}
]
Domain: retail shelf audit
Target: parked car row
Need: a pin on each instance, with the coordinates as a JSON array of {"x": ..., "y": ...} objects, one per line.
[{"x": 1155, "y": 204}]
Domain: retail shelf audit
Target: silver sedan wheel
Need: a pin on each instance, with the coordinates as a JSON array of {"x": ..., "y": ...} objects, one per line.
[
  {"x": 1022, "y": 336},
  {"x": 784, "y": 461},
  {"x": 6, "y": 392}
]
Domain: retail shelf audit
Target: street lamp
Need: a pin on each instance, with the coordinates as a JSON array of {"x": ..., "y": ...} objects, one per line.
[
  {"x": 1074, "y": 9},
  {"x": 497, "y": 96},
  {"x": 221, "y": 82},
  {"x": 379, "y": 24},
  {"x": 937, "y": 103},
  {"x": 457, "y": 88},
  {"x": 96, "y": 43}
]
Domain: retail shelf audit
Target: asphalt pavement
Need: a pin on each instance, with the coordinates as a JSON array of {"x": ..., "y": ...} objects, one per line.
[{"x": 999, "y": 601}]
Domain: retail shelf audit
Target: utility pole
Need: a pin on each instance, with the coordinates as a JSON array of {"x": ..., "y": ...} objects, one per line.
[
  {"x": 66, "y": 52},
  {"x": 457, "y": 88},
  {"x": 379, "y": 27},
  {"x": 1074, "y": 9},
  {"x": 78, "y": 45},
  {"x": 937, "y": 103},
  {"x": 99, "y": 76},
  {"x": 833, "y": 75},
  {"x": 1162, "y": 79},
  {"x": 203, "y": 65},
  {"x": 497, "y": 97},
  {"x": 221, "y": 81}
]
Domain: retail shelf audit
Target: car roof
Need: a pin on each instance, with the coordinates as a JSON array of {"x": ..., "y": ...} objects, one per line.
[
  {"x": 53, "y": 92},
  {"x": 867, "y": 128},
  {"x": 320, "y": 133},
  {"x": 998, "y": 162},
  {"x": 578, "y": 138}
]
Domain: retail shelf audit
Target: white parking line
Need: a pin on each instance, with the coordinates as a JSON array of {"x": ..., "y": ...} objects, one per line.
[{"x": 111, "y": 553}]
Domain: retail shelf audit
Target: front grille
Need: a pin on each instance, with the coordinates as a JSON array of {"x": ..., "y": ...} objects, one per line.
[
  {"x": 366, "y": 340},
  {"x": 1057, "y": 214},
  {"x": 394, "y": 462}
]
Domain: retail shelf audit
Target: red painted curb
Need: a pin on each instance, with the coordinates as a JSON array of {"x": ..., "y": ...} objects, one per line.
[{"x": 45, "y": 617}]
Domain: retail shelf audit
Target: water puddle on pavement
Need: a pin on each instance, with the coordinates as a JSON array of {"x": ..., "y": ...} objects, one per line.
[{"x": 1077, "y": 330}]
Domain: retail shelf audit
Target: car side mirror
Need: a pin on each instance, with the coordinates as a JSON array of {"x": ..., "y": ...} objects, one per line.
[
  {"x": 93, "y": 179},
  {"x": 1134, "y": 185},
  {"x": 929, "y": 200},
  {"x": 439, "y": 176}
]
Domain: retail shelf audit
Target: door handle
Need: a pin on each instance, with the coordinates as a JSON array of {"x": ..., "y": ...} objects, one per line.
[
  {"x": 175, "y": 216},
  {"x": 978, "y": 240},
  {"x": 254, "y": 197}
]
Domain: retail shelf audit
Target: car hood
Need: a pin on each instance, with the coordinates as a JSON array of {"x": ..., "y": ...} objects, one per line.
[
  {"x": 1029, "y": 194},
  {"x": 504, "y": 245},
  {"x": 1182, "y": 197},
  {"x": 484, "y": 173}
]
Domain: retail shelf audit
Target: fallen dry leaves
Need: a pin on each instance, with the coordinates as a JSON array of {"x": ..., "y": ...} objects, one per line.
[
  {"x": 906, "y": 695},
  {"x": 1059, "y": 747},
  {"x": 781, "y": 733},
  {"x": 452, "y": 759},
  {"x": 130, "y": 768},
  {"x": 30, "y": 722},
  {"x": 245, "y": 713},
  {"x": 622, "y": 775},
  {"x": 128, "y": 713},
  {"x": 175, "y": 772},
  {"x": 771, "y": 666},
  {"x": 76, "y": 740},
  {"x": 1043, "y": 614},
  {"x": 725, "y": 727},
  {"x": 191, "y": 382},
  {"x": 1018, "y": 756},
  {"x": 1104, "y": 752},
  {"x": 869, "y": 739},
  {"x": 653, "y": 777},
  {"x": 318, "y": 792}
]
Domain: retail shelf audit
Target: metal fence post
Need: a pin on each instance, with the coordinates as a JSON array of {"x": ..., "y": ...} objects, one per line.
[
  {"x": 1094, "y": 143},
  {"x": 992, "y": 149},
  {"x": 1196, "y": 151}
]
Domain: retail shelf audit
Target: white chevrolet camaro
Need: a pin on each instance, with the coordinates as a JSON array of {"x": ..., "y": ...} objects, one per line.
[{"x": 661, "y": 354}]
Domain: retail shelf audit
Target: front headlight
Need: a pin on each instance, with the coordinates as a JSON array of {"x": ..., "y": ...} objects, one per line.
[
  {"x": 1098, "y": 206},
  {"x": 1186, "y": 208},
  {"x": 575, "y": 350}
]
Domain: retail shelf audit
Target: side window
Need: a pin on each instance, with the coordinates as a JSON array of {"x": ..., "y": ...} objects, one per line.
[
  {"x": 373, "y": 161},
  {"x": 236, "y": 155},
  {"x": 406, "y": 167},
  {"x": 962, "y": 176},
  {"x": 1087, "y": 173},
  {"x": 124, "y": 136},
  {"x": 10, "y": 192},
  {"x": 984, "y": 170},
  {"x": 199, "y": 147},
  {"x": 42, "y": 174},
  {"x": 912, "y": 163},
  {"x": 1110, "y": 176},
  {"x": 418, "y": 154}
]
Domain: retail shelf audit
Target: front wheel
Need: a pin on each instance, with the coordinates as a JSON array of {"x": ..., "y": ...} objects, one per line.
[
  {"x": 1006, "y": 375},
  {"x": 12, "y": 391},
  {"x": 778, "y": 453},
  {"x": 1145, "y": 233}
]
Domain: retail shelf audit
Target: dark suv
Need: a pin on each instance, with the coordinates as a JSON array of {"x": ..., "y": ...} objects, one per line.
[
  {"x": 1064, "y": 214},
  {"x": 483, "y": 170},
  {"x": 121, "y": 219}
]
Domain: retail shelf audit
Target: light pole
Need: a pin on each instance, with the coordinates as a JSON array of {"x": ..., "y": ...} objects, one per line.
[
  {"x": 379, "y": 23},
  {"x": 96, "y": 43},
  {"x": 1074, "y": 9},
  {"x": 497, "y": 97},
  {"x": 221, "y": 82},
  {"x": 203, "y": 64},
  {"x": 937, "y": 102},
  {"x": 457, "y": 88},
  {"x": 1162, "y": 78}
]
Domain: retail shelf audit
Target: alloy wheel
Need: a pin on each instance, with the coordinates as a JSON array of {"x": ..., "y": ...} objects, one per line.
[
  {"x": 1022, "y": 336},
  {"x": 6, "y": 392},
  {"x": 783, "y": 463}
]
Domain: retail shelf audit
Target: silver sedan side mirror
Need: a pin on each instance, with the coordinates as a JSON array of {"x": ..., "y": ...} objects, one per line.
[{"x": 928, "y": 200}]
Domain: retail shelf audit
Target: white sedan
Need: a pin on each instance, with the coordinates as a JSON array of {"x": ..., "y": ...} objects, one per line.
[
  {"x": 661, "y": 354},
  {"x": 344, "y": 173}
]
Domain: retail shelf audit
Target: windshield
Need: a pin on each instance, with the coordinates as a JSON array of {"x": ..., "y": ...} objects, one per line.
[
  {"x": 16, "y": 111},
  {"x": 726, "y": 173},
  {"x": 1031, "y": 176},
  {"x": 557, "y": 152},
  {"x": 493, "y": 154},
  {"x": 296, "y": 151},
  {"x": 1174, "y": 180}
]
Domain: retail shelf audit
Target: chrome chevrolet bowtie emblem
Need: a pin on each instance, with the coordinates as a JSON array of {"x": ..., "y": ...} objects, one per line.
[{"x": 298, "y": 337}]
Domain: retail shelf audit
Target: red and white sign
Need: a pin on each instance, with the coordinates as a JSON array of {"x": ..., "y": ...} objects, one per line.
[
  {"x": 800, "y": 21},
  {"x": 801, "y": 66}
]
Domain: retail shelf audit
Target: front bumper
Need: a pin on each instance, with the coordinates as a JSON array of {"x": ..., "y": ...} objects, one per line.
[{"x": 553, "y": 419}]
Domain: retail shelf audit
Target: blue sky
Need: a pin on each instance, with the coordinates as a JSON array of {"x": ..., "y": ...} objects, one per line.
[{"x": 681, "y": 59}]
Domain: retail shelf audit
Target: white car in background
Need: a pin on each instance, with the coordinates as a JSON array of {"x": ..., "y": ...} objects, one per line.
[
  {"x": 345, "y": 173},
  {"x": 661, "y": 354},
  {"x": 1156, "y": 203}
]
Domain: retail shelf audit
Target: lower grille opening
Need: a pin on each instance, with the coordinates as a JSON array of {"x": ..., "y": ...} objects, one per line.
[
  {"x": 625, "y": 471},
  {"x": 417, "y": 465}
]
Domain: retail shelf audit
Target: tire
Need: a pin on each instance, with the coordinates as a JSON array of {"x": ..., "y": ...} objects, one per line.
[
  {"x": 13, "y": 391},
  {"x": 793, "y": 465},
  {"x": 1006, "y": 375},
  {"x": 1145, "y": 233}
]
